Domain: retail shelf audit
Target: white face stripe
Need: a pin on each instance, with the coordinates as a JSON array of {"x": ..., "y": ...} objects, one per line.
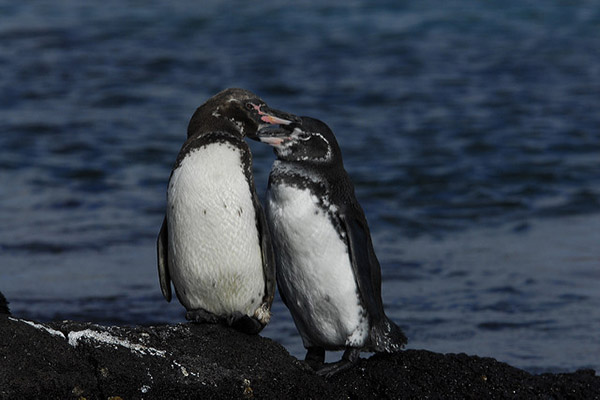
[
  {"x": 327, "y": 156},
  {"x": 296, "y": 134},
  {"x": 284, "y": 147}
]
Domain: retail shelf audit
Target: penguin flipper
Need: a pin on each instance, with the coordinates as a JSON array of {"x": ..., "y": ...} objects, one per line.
[
  {"x": 162, "y": 252},
  {"x": 268, "y": 255},
  {"x": 385, "y": 335},
  {"x": 365, "y": 266}
]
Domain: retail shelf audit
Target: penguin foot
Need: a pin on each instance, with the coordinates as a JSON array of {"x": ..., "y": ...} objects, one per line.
[
  {"x": 350, "y": 358},
  {"x": 315, "y": 357},
  {"x": 238, "y": 321},
  {"x": 201, "y": 316}
]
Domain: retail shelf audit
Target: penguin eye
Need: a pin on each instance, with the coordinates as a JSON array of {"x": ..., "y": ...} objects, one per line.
[
  {"x": 304, "y": 136},
  {"x": 249, "y": 106}
]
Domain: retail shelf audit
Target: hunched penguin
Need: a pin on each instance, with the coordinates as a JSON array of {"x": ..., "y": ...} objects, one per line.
[
  {"x": 214, "y": 243},
  {"x": 327, "y": 271}
]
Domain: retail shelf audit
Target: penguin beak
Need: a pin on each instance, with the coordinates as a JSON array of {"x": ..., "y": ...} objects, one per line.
[
  {"x": 276, "y": 117},
  {"x": 273, "y": 135}
]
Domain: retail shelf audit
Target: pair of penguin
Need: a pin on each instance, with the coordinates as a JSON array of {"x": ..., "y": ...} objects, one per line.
[{"x": 223, "y": 254}]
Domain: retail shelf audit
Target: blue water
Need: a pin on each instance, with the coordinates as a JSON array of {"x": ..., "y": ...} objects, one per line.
[{"x": 471, "y": 131}]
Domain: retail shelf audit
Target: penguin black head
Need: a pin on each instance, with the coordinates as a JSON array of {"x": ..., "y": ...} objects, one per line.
[
  {"x": 236, "y": 110},
  {"x": 309, "y": 141}
]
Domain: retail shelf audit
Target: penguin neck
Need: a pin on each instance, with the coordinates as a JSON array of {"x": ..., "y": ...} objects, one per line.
[
  {"x": 306, "y": 165},
  {"x": 315, "y": 175},
  {"x": 205, "y": 122},
  {"x": 296, "y": 170}
]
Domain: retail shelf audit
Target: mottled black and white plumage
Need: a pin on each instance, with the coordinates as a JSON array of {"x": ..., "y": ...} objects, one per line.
[
  {"x": 327, "y": 271},
  {"x": 214, "y": 243}
]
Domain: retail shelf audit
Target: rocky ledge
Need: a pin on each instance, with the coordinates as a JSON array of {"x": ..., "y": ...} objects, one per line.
[{"x": 63, "y": 360}]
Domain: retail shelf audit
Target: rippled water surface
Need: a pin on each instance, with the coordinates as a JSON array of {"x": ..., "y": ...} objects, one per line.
[{"x": 472, "y": 134}]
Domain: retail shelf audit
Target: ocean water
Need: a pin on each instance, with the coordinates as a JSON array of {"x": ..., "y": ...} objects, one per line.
[{"x": 470, "y": 129}]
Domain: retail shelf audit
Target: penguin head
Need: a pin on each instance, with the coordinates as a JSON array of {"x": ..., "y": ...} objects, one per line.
[
  {"x": 236, "y": 110},
  {"x": 309, "y": 141}
]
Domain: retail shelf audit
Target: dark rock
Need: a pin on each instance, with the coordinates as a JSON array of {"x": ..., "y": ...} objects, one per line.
[{"x": 75, "y": 360}]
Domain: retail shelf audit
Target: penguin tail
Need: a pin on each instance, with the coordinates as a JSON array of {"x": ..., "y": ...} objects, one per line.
[
  {"x": 387, "y": 337},
  {"x": 246, "y": 324}
]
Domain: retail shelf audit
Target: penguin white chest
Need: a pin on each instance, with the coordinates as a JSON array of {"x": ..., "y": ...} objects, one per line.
[
  {"x": 215, "y": 258},
  {"x": 314, "y": 271}
]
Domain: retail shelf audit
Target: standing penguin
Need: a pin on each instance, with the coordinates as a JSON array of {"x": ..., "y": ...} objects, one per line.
[
  {"x": 327, "y": 271},
  {"x": 214, "y": 243}
]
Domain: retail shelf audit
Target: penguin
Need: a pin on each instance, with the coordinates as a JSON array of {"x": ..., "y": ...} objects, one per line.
[
  {"x": 327, "y": 272},
  {"x": 214, "y": 243}
]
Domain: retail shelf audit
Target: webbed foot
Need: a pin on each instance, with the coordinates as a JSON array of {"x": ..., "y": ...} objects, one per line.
[
  {"x": 201, "y": 316},
  {"x": 315, "y": 357},
  {"x": 238, "y": 321},
  {"x": 350, "y": 357}
]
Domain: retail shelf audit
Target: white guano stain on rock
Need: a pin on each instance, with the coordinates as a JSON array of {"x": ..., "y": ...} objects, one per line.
[
  {"x": 51, "y": 331},
  {"x": 106, "y": 338}
]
